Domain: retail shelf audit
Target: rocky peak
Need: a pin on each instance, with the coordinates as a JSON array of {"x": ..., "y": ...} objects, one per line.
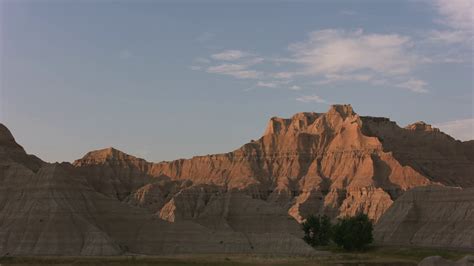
[
  {"x": 276, "y": 125},
  {"x": 14, "y": 151},
  {"x": 421, "y": 126},
  {"x": 344, "y": 110},
  {"x": 301, "y": 121},
  {"x": 298, "y": 122},
  {"x": 106, "y": 155},
  {"x": 6, "y": 137}
]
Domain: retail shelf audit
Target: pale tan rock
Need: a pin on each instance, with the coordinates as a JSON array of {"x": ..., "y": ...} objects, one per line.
[
  {"x": 433, "y": 216},
  {"x": 155, "y": 195}
]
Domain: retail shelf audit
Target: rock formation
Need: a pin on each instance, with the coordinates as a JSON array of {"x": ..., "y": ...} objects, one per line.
[
  {"x": 336, "y": 163},
  {"x": 434, "y": 216},
  {"x": 53, "y": 209},
  {"x": 249, "y": 200}
]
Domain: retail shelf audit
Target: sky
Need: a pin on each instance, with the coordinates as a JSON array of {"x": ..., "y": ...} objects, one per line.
[{"x": 164, "y": 80}]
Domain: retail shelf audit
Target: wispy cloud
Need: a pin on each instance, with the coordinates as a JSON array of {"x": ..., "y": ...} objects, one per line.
[
  {"x": 330, "y": 78},
  {"x": 267, "y": 84},
  {"x": 448, "y": 36},
  {"x": 284, "y": 75},
  {"x": 239, "y": 67},
  {"x": 340, "y": 56},
  {"x": 457, "y": 14},
  {"x": 335, "y": 51},
  {"x": 462, "y": 129},
  {"x": 240, "y": 71},
  {"x": 415, "y": 85},
  {"x": 295, "y": 88},
  {"x": 329, "y": 56},
  {"x": 335, "y": 55},
  {"x": 310, "y": 99},
  {"x": 230, "y": 55}
]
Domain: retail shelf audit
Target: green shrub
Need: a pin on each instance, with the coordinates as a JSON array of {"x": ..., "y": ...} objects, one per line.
[
  {"x": 353, "y": 233},
  {"x": 317, "y": 230}
]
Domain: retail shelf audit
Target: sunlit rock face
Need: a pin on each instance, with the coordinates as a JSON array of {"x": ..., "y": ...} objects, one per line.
[{"x": 336, "y": 163}]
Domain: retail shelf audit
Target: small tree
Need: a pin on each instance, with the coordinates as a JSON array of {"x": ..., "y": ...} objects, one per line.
[
  {"x": 317, "y": 230},
  {"x": 353, "y": 233}
]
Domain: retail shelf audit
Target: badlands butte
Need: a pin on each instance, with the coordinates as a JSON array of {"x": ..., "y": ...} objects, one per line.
[{"x": 416, "y": 184}]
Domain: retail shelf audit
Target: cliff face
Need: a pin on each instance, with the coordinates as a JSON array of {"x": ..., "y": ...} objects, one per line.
[
  {"x": 427, "y": 150},
  {"x": 336, "y": 163}
]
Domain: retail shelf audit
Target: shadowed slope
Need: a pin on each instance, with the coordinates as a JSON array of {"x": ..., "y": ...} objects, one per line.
[
  {"x": 55, "y": 211},
  {"x": 430, "y": 216}
]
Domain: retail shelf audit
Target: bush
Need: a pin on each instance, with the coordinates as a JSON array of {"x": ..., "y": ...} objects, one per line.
[
  {"x": 317, "y": 230},
  {"x": 353, "y": 233}
]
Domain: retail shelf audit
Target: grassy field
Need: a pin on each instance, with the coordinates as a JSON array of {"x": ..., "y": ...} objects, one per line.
[{"x": 329, "y": 256}]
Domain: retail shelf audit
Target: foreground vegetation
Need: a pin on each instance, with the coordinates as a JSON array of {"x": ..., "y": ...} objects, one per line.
[
  {"x": 349, "y": 233},
  {"x": 330, "y": 255}
]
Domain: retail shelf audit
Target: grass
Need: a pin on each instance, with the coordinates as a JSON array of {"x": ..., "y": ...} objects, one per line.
[
  {"x": 406, "y": 254},
  {"x": 328, "y": 256},
  {"x": 417, "y": 254}
]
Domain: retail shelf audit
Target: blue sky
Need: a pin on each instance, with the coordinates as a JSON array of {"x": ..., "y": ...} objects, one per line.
[{"x": 164, "y": 80}]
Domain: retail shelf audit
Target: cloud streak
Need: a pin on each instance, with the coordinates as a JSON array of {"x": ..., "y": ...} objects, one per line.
[
  {"x": 239, "y": 71},
  {"x": 230, "y": 55},
  {"x": 415, "y": 85},
  {"x": 462, "y": 129},
  {"x": 311, "y": 99}
]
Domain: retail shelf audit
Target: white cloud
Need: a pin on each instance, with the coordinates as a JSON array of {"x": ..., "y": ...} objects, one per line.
[
  {"x": 447, "y": 36},
  {"x": 311, "y": 98},
  {"x": 230, "y": 55},
  {"x": 329, "y": 78},
  {"x": 457, "y": 14},
  {"x": 240, "y": 69},
  {"x": 267, "y": 84},
  {"x": 337, "y": 55},
  {"x": 334, "y": 51},
  {"x": 295, "y": 88},
  {"x": 415, "y": 85},
  {"x": 460, "y": 129},
  {"x": 234, "y": 70}
]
